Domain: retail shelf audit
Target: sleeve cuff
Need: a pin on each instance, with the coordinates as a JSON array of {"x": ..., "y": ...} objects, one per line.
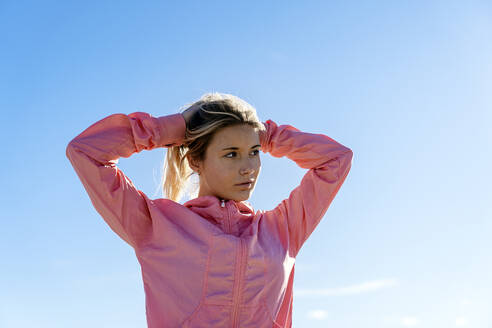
[{"x": 171, "y": 129}]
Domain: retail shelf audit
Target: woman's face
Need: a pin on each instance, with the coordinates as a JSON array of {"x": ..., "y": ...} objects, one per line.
[{"x": 232, "y": 157}]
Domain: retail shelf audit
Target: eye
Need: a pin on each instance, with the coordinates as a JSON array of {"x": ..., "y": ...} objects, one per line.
[{"x": 256, "y": 152}]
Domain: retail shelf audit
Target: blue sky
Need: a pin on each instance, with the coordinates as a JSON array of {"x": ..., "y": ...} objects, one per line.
[{"x": 404, "y": 84}]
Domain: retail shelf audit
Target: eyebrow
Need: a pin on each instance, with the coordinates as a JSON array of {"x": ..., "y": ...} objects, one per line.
[{"x": 234, "y": 148}]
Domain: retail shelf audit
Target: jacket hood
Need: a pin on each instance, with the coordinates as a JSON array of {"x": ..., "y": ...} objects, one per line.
[{"x": 210, "y": 207}]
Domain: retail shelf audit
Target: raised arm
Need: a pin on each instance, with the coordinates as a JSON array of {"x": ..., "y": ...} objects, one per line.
[
  {"x": 329, "y": 163},
  {"x": 94, "y": 154}
]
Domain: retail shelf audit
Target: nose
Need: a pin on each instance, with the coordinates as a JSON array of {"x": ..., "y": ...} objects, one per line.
[
  {"x": 248, "y": 168},
  {"x": 247, "y": 171}
]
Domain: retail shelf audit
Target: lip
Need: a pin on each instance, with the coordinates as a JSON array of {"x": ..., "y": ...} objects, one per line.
[
  {"x": 244, "y": 183},
  {"x": 247, "y": 185}
]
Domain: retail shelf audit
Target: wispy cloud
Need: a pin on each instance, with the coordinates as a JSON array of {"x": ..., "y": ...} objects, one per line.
[
  {"x": 317, "y": 314},
  {"x": 412, "y": 321},
  {"x": 409, "y": 321},
  {"x": 461, "y": 322},
  {"x": 364, "y": 287}
]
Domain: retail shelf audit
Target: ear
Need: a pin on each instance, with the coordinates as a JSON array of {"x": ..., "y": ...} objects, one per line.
[{"x": 195, "y": 166}]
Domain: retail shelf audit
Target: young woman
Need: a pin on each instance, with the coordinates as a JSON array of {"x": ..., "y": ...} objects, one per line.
[{"x": 213, "y": 261}]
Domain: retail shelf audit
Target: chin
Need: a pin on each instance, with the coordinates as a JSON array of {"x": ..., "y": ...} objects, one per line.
[{"x": 241, "y": 198}]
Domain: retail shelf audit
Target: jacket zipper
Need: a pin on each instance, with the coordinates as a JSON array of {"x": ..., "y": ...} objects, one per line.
[
  {"x": 229, "y": 225},
  {"x": 238, "y": 285},
  {"x": 238, "y": 278}
]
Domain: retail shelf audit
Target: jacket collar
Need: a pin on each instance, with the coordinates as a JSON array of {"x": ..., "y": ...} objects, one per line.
[{"x": 210, "y": 207}]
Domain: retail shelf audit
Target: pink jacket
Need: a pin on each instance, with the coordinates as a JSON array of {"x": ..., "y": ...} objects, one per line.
[{"x": 209, "y": 263}]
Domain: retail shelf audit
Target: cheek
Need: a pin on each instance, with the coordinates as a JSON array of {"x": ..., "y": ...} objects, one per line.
[
  {"x": 220, "y": 171},
  {"x": 258, "y": 162}
]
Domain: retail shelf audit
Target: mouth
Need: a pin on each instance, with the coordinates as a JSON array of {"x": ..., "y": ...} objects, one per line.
[
  {"x": 244, "y": 183},
  {"x": 247, "y": 185}
]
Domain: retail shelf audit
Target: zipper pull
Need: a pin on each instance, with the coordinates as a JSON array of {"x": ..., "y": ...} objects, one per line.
[{"x": 223, "y": 203}]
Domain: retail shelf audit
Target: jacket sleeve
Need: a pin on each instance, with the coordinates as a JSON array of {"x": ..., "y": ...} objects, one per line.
[
  {"x": 328, "y": 163},
  {"x": 94, "y": 154}
]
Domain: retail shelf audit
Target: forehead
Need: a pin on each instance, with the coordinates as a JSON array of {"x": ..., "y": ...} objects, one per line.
[{"x": 242, "y": 136}]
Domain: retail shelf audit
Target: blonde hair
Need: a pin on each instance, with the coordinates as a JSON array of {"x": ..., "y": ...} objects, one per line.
[{"x": 214, "y": 111}]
